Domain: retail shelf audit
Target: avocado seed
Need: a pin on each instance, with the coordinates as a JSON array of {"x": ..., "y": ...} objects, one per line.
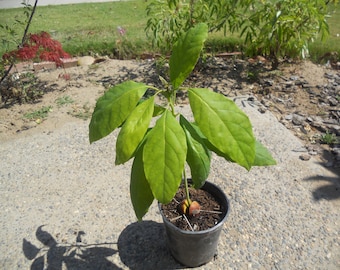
[
  {"x": 183, "y": 207},
  {"x": 194, "y": 209},
  {"x": 189, "y": 209}
]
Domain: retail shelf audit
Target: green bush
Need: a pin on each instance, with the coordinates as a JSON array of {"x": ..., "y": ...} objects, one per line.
[
  {"x": 274, "y": 29},
  {"x": 285, "y": 28},
  {"x": 168, "y": 19}
]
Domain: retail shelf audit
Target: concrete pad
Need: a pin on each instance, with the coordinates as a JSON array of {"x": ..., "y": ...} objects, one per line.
[{"x": 63, "y": 200}]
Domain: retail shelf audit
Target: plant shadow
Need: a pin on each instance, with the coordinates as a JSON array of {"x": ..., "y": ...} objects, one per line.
[
  {"x": 54, "y": 255},
  {"x": 331, "y": 189},
  {"x": 142, "y": 245}
]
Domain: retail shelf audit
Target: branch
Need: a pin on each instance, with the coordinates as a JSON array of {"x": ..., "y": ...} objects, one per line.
[
  {"x": 22, "y": 41},
  {"x": 29, "y": 23}
]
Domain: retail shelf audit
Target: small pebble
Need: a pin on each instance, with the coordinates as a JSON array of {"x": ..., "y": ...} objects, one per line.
[{"x": 305, "y": 157}]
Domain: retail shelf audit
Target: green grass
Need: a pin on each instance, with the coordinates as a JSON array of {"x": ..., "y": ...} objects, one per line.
[
  {"x": 38, "y": 114},
  {"x": 91, "y": 28},
  {"x": 328, "y": 138},
  {"x": 87, "y": 28},
  {"x": 64, "y": 100},
  {"x": 332, "y": 44}
]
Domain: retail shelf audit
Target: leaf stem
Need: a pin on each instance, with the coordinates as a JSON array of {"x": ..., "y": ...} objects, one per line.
[{"x": 186, "y": 188}]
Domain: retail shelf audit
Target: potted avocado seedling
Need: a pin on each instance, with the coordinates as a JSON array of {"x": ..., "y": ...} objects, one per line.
[{"x": 160, "y": 151}]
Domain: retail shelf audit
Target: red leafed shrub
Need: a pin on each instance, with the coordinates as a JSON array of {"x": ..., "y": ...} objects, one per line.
[{"x": 39, "y": 46}]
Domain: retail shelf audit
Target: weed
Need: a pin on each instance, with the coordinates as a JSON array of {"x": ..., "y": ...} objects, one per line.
[
  {"x": 21, "y": 88},
  {"x": 38, "y": 114},
  {"x": 82, "y": 113},
  {"x": 64, "y": 100},
  {"x": 253, "y": 76},
  {"x": 328, "y": 138}
]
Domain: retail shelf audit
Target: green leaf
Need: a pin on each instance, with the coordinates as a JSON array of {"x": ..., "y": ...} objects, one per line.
[
  {"x": 185, "y": 53},
  {"x": 198, "y": 155},
  {"x": 140, "y": 192},
  {"x": 114, "y": 107},
  {"x": 225, "y": 125},
  {"x": 133, "y": 130},
  {"x": 164, "y": 157},
  {"x": 262, "y": 156},
  {"x": 158, "y": 110}
]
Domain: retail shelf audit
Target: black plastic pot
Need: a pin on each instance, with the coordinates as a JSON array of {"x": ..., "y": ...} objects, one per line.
[{"x": 196, "y": 248}]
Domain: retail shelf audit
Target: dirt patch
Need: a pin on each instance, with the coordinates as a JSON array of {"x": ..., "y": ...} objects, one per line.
[{"x": 67, "y": 100}]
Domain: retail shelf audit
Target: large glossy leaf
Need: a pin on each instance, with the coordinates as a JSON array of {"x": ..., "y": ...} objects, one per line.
[
  {"x": 133, "y": 130},
  {"x": 225, "y": 125},
  {"x": 198, "y": 155},
  {"x": 185, "y": 53},
  {"x": 164, "y": 157},
  {"x": 114, "y": 107},
  {"x": 140, "y": 192},
  {"x": 262, "y": 156}
]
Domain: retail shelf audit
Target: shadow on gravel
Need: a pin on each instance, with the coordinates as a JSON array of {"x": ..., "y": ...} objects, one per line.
[
  {"x": 331, "y": 189},
  {"x": 54, "y": 255},
  {"x": 142, "y": 245}
]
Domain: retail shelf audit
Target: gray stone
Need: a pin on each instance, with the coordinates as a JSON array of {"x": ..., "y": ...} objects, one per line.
[
  {"x": 333, "y": 101},
  {"x": 305, "y": 157},
  {"x": 294, "y": 78},
  {"x": 298, "y": 119},
  {"x": 85, "y": 61},
  {"x": 289, "y": 117}
]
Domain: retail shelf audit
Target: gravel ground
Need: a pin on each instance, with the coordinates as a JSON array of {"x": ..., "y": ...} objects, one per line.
[{"x": 64, "y": 203}]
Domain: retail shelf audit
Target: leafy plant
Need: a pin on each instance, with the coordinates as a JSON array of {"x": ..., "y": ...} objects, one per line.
[
  {"x": 121, "y": 43},
  {"x": 328, "y": 138},
  {"x": 11, "y": 36},
  {"x": 161, "y": 151},
  {"x": 168, "y": 19},
  {"x": 273, "y": 29},
  {"x": 21, "y": 88},
  {"x": 31, "y": 46},
  {"x": 39, "y": 46},
  {"x": 285, "y": 28}
]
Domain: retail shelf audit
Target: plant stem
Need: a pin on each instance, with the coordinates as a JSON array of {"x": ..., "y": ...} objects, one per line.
[
  {"x": 186, "y": 188},
  {"x": 23, "y": 40},
  {"x": 172, "y": 101}
]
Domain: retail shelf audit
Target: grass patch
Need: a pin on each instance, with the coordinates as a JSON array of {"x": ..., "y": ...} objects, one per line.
[
  {"x": 91, "y": 29},
  {"x": 318, "y": 49},
  {"x": 328, "y": 138},
  {"x": 38, "y": 114},
  {"x": 85, "y": 29},
  {"x": 64, "y": 100}
]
